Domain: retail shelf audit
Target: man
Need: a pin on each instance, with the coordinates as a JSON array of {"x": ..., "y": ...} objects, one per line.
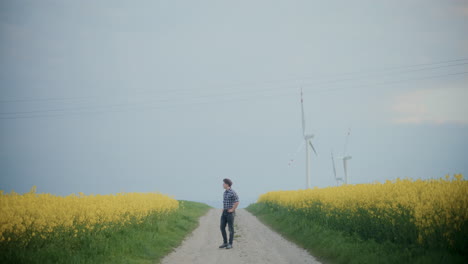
[{"x": 230, "y": 203}]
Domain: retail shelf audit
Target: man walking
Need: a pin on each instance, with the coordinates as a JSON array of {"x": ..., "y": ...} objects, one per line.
[{"x": 230, "y": 203}]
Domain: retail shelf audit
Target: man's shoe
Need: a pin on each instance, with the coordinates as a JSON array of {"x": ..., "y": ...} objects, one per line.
[
  {"x": 228, "y": 246},
  {"x": 224, "y": 245}
]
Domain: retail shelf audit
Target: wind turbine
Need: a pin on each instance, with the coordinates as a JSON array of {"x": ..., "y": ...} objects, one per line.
[
  {"x": 338, "y": 179},
  {"x": 345, "y": 159},
  {"x": 308, "y": 143}
]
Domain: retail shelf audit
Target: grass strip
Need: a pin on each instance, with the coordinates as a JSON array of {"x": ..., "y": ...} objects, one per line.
[
  {"x": 332, "y": 246},
  {"x": 145, "y": 242}
]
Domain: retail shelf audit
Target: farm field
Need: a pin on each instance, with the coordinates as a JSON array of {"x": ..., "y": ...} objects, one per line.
[
  {"x": 116, "y": 228},
  {"x": 396, "y": 221}
]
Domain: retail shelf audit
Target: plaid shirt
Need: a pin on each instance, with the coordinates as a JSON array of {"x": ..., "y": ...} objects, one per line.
[{"x": 230, "y": 197}]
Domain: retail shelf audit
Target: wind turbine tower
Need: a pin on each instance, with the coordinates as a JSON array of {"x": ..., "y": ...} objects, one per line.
[
  {"x": 308, "y": 144},
  {"x": 345, "y": 159}
]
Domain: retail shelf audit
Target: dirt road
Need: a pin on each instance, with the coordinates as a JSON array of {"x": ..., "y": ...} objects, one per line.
[{"x": 253, "y": 243}]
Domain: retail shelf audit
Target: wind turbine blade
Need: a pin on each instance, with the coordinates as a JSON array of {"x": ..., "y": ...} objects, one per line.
[
  {"x": 302, "y": 111},
  {"x": 299, "y": 147},
  {"x": 310, "y": 143}
]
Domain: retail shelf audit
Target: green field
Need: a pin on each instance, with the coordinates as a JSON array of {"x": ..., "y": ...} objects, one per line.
[
  {"x": 145, "y": 242},
  {"x": 333, "y": 246}
]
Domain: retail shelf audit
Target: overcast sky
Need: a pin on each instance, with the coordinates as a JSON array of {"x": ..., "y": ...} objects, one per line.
[{"x": 174, "y": 96}]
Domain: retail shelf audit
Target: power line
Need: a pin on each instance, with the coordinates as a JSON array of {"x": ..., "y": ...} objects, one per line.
[
  {"x": 217, "y": 101},
  {"x": 397, "y": 69},
  {"x": 60, "y": 111}
]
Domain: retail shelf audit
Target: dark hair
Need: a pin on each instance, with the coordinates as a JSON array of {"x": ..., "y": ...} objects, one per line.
[{"x": 228, "y": 182}]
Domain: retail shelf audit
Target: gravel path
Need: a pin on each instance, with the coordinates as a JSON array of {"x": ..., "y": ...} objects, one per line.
[{"x": 253, "y": 243}]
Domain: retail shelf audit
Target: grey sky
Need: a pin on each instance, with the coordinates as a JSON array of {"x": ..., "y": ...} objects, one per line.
[{"x": 174, "y": 96}]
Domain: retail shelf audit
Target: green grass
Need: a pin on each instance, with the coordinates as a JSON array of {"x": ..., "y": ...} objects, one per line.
[
  {"x": 332, "y": 246},
  {"x": 146, "y": 242}
]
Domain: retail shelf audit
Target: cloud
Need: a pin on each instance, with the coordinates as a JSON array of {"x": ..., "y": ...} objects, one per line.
[
  {"x": 464, "y": 10},
  {"x": 460, "y": 8},
  {"x": 433, "y": 106}
]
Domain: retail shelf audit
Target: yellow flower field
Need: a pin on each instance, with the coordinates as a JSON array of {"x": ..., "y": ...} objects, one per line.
[
  {"x": 422, "y": 211},
  {"x": 39, "y": 214}
]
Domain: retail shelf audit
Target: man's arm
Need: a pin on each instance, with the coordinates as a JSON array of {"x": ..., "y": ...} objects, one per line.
[{"x": 233, "y": 207}]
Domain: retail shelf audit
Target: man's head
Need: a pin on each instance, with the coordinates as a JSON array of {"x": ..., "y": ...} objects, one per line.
[{"x": 227, "y": 183}]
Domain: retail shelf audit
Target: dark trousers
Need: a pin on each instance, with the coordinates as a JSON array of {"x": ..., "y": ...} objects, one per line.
[{"x": 227, "y": 218}]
